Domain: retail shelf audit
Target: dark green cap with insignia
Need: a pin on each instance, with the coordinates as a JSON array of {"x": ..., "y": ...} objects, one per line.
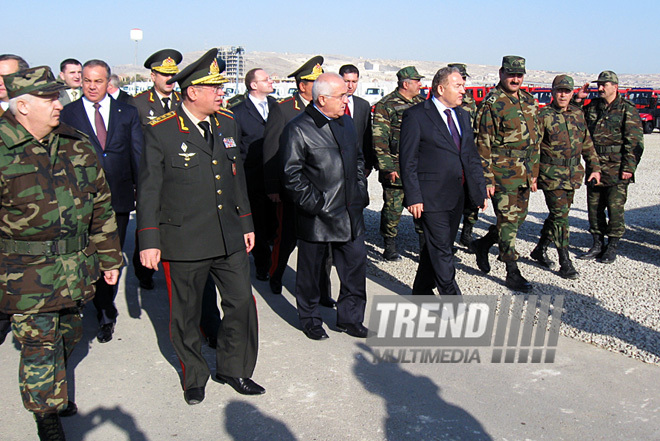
[
  {"x": 563, "y": 82},
  {"x": 408, "y": 73},
  {"x": 607, "y": 75},
  {"x": 206, "y": 70},
  {"x": 36, "y": 81},
  {"x": 462, "y": 68},
  {"x": 513, "y": 64},
  {"x": 309, "y": 71},
  {"x": 164, "y": 61}
]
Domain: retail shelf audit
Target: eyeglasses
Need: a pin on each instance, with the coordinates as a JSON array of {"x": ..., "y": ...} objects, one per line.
[
  {"x": 341, "y": 97},
  {"x": 215, "y": 89}
]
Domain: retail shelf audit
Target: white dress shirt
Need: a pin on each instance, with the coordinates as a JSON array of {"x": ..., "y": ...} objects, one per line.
[
  {"x": 441, "y": 108},
  {"x": 91, "y": 111},
  {"x": 261, "y": 105}
]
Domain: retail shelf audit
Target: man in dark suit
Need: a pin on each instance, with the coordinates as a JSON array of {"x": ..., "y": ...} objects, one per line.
[
  {"x": 71, "y": 74},
  {"x": 360, "y": 110},
  {"x": 161, "y": 98},
  {"x": 440, "y": 166},
  {"x": 323, "y": 174},
  {"x": 114, "y": 131},
  {"x": 194, "y": 215},
  {"x": 115, "y": 91},
  {"x": 285, "y": 240},
  {"x": 251, "y": 115}
]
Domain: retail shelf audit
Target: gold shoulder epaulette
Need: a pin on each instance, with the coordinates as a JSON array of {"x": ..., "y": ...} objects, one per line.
[
  {"x": 283, "y": 100},
  {"x": 162, "y": 118},
  {"x": 226, "y": 112},
  {"x": 141, "y": 93}
]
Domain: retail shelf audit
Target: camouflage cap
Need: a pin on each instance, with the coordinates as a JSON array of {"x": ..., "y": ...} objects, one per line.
[
  {"x": 408, "y": 73},
  {"x": 164, "y": 61},
  {"x": 309, "y": 71},
  {"x": 462, "y": 68},
  {"x": 36, "y": 81},
  {"x": 607, "y": 75},
  {"x": 513, "y": 64},
  {"x": 206, "y": 70},
  {"x": 563, "y": 82}
]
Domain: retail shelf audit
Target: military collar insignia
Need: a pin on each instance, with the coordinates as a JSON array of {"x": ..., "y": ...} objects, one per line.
[{"x": 182, "y": 125}]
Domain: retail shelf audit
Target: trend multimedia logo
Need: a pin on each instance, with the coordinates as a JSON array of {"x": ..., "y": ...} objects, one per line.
[{"x": 454, "y": 329}]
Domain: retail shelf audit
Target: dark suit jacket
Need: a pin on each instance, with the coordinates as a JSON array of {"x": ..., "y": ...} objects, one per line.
[
  {"x": 150, "y": 106},
  {"x": 192, "y": 201},
  {"x": 362, "y": 120},
  {"x": 323, "y": 173},
  {"x": 123, "y": 97},
  {"x": 252, "y": 127},
  {"x": 123, "y": 148},
  {"x": 431, "y": 164}
]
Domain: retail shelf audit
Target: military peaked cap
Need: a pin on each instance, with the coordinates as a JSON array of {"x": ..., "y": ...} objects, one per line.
[
  {"x": 36, "y": 81},
  {"x": 563, "y": 82},
  {"x": 205, "y": 70},
  {"x": 164, "y": 61},
  {"x": 607, "y": 75},
  {"x": 309, "y": 71},
  {"x": 513, "y": 64},
  {"x": 462, "y": 68},
  {"x": 408, "y": 73}
]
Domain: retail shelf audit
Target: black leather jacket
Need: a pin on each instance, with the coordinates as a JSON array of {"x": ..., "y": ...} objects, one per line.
[{"x": 323, "y": 173}]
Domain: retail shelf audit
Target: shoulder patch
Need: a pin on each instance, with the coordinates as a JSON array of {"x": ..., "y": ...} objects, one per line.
[
  {"x": 162, "y": 118},
  {"x": 490, "y": 98}
]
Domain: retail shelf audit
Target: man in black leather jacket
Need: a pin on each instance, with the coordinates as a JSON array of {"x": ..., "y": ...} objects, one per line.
[{"x": 323, "y": 173}]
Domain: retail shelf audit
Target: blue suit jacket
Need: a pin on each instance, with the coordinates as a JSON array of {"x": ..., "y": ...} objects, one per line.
[
  {"x": 121, "y": 156},
  {"x": 431, "y": 163}
]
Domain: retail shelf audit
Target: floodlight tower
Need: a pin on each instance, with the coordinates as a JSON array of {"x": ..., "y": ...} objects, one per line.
[{"x": 136, "y": 35}]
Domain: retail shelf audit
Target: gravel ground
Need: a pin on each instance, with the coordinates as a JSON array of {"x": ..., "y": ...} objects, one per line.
[{"x": 614, "y": 306}]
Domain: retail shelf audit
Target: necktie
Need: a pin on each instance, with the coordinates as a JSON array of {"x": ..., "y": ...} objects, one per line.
[
  {"x": 74, "y": 94},
  {"x": 453, "y": 129},
  {"x": 166, "y": 104},
  {"x": 348, "y": 110},
  {"x": 208, "y": 137},
  {"x": 101, "y": 132},
  {"x": 264, "y": 110}
]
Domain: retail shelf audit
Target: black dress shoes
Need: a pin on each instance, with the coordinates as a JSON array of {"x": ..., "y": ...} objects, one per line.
[
  {"x": 328, "y": 302},
  {"x": 262, "y": 275},
  {"x": 244, "y": 386},
  {"x": 275, "y": 286},
  {"x": 105, "y": 333},
  {"x": 71, "y": 410},
  {"x": 315, "y": 333},
  {"x": 147, "y": 284},
  {"x": 353, "y": 329},
  {"x": 194, "y": 395}
]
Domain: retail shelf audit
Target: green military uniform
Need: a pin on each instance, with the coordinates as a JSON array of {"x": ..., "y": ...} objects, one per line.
[
  {"x": 57, "y": 235},
  {"x": 238, "y": 98},
  {"x": 386, "y": 130}
]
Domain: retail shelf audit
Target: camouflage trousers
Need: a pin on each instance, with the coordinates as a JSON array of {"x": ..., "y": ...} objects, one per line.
[
  {"x": 46, "y": 340},
  {"x": 613, "y": 198},
  {"x": 556, "y": 225},
  {"x": 511, "y": 210},
  {"x": 390, "y": 215}
]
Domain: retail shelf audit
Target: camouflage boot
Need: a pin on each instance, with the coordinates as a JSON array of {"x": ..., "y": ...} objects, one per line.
[
  {"x": 609, "y": 255},
  {"x": 595, "y": 249},
  {"x": 540, "y": 253},
  {"x": 514, "y": 280},
  {"x": 482, "y": 247},
  {"x": 566, "y": 268},
  {"x": 390, "y": 250},
  {"x": 49, "y": 427},
  {"x": 466, "y": 237}
]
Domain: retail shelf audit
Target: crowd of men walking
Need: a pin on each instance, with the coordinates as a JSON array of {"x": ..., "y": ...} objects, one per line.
[{"x": 211, "y": 184}]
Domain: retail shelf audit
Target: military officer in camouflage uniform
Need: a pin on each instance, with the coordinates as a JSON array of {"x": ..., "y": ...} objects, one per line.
[
  {"x": 565, "y": 140},
  {"x": 386, "y": 129},
  {"x": 470, "y": 213},
  {"x": 58, "y": 235},
  {"x": 616, "y": 130},
  {"x": 508, "y": 138}
]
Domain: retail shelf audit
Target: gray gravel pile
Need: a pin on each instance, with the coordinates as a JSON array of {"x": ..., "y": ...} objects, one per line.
[{"x": 614, "y": 306}]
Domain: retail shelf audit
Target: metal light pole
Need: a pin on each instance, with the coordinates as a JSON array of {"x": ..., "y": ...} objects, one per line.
[{"x": 136, "y": 35}]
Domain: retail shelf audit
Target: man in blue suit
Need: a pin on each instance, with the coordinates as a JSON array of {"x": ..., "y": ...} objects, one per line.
[
  {"x": 440, "y": 167},
  {"x": 114, "y": 131}
]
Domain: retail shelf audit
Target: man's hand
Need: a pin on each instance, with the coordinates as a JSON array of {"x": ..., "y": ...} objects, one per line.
[
  {"x": 249, "y": 241},
  {"x": 626, "y": 175},
  {"x": 484, "y": 206},
  {"x": 392, "y": 177},
  {"x": 490, "y": 191},
  {"x": 534, "y": 186},
  {"x": 111, "y": 277},
  {"x": 150, "y": 258},
  {"x": 416, "y": 210},
  {"x": 596, "y": 176},
  {"x": 582, "y": 93},
  {"x": 275, "y": 197}
]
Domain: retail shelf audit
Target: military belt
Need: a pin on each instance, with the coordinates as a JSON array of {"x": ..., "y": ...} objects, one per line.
[
  {"x": 44, "y": 248},
  {"x": 512, "y": 153},
  {"x": 603, "y": 149},
  {"x": 560, "y": 161}
]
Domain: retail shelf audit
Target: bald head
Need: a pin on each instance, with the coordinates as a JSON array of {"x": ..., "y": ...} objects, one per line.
[{"x": 330, "y": 94}]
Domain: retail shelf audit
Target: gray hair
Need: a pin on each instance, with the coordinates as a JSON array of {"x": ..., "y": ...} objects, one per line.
[
  {"x": 441, "y": 77},
  {"x": 114, "y": 80},
  {"x": 323, "y": 87},
  {"x": 13, "y": 102}
]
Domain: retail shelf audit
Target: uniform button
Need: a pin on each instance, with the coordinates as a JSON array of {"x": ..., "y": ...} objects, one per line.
[
  {"x": 220, "y": 207},
  {"x": 219, "y": 192},
  {"x": 214, "y": 162},
  {"x": 185, "y": 165},
  {"x": 217, "y": 177}
]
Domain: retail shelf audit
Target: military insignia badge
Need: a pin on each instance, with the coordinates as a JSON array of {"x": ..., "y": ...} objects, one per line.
[
  {"x": 186, "y": 156},
  {"x": 229, "y": 142},
  {"x": 233, "y": 168}
]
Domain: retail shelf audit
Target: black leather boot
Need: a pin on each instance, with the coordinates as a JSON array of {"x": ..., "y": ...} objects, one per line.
[
  {"x": 390, "y": 250},
  {"x": 566, "y": 268},
  {"x": 595, "y": 249},
  {"x": 609, "y": 255},
  {"x": 540, "y": 253},
  {"x": 466, "y": 237},
  {"x": 515, "y": 280},
  {"x": 482, "y": 246},
  {"x": 49, "y": 427}
]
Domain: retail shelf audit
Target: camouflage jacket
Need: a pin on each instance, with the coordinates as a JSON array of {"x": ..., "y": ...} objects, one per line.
[
  {"x": 469, "y": 105},
  {"x": 508, "y": 138},
  {"x": 565, "y": 139},
  {"x": 618, "y": 137},
  {"x": 52, "y": 191},
  {"x": 386, "y": 129}
]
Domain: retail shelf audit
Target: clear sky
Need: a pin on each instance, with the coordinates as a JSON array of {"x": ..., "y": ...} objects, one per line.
[{"x": 562, "y": 35}]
